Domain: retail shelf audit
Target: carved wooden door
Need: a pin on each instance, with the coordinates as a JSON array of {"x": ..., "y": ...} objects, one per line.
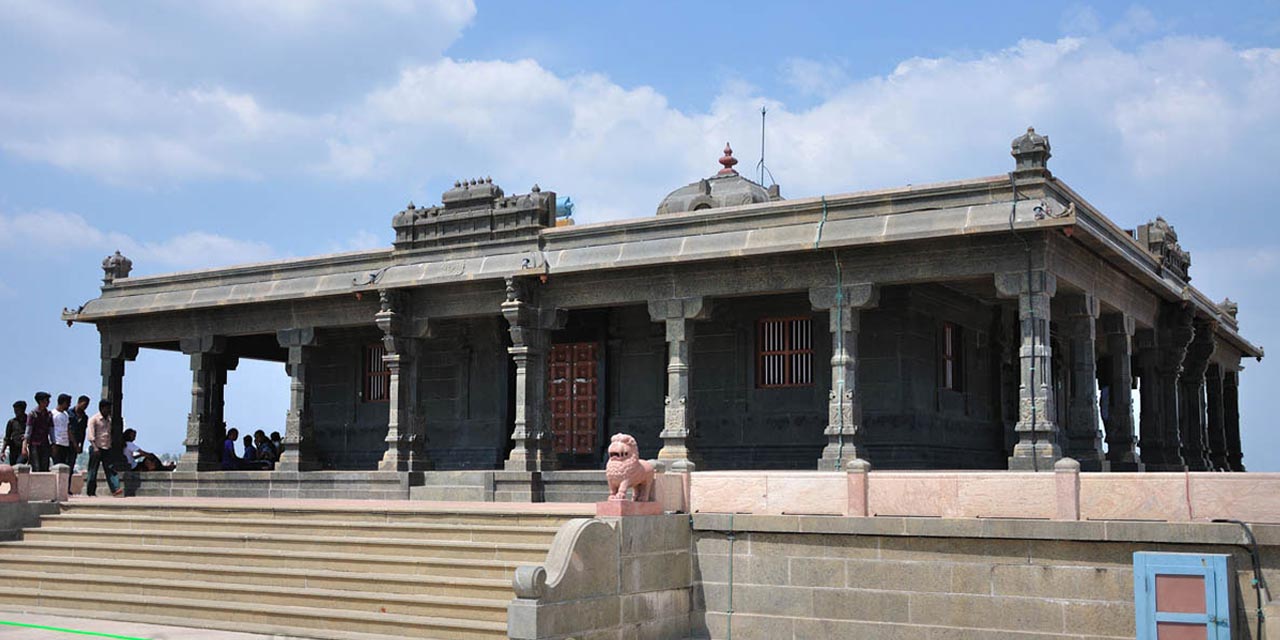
[{"x": 573, "y": 392}]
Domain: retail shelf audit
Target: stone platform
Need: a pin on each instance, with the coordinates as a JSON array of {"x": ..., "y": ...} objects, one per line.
[{"x": 454, "y": 486}]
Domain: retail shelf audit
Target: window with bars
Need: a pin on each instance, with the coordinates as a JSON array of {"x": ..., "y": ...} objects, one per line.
[
  {"x": 785, "y": 353},
  {"x": 952, "y": 361},
  {"x": 377, "y": 377}
]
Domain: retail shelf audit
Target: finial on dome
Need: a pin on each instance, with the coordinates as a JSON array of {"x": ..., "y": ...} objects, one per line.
[{"x": 727, "y": 161}]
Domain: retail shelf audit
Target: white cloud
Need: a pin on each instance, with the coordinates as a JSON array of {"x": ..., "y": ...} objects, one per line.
[
  {"x": 813, "y": 77},
  {"x": 190, "y": 250}
]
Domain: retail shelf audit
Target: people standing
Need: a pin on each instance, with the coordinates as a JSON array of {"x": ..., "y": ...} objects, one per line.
[
  {"x": 15, "y": 431},
  {"x": 38, "y": 439},
  {"x": 98, "y": 435},
  {"x": 78, "y": 425},
  {"x": 63, "y": 453}
]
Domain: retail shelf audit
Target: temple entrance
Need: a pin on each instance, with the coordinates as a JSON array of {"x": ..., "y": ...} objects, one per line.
[{"x": 573, "y": 391}]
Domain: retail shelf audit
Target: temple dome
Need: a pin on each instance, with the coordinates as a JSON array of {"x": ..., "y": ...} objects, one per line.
[{"x": 727, "y": 188}]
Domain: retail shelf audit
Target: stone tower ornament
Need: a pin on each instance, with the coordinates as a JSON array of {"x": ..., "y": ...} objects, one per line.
[
  {"x": 1031, "y": 154},
  {"x": 115, "y": 266}
]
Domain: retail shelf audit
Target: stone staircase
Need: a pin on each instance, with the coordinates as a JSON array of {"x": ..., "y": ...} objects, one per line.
[{"x": 311, "y": 569}]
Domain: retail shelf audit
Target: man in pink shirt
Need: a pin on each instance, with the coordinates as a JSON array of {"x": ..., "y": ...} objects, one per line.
[{"x": 98, "y": 436}]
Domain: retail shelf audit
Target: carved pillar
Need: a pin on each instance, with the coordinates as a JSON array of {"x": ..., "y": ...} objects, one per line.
[
  {"x": 844, "y": 307},
  {"x": 203, "y": 444},
  {"x": 1084, "y": 438},
  {"x": 1231, "y": 419},
  {"x": 1195, "y": 451},
  {"x": 1150, "y": 431},
  {"x": 299, "y": 439},
  {"x": 406, "y": 441},
  {"x": 1216, "y": 427},
  {"x": 1121, "y": 456},
  {"x": 114, "y": 355},
  {"x": 1172, "y": 337},
  {"x": 530, "y": 329},
  {"x": 678, "y": 412},
  {"x": 1037, "y": 447}
]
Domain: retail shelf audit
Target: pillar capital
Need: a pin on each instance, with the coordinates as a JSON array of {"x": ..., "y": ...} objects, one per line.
[
  {"x": 1118, "y": 324},
  {"x": 1013, "y": 284},
  {"x": 119, "y": 350},
  {"x": 853, "y": 296},
  {"x": 297, "y": 337},
  {"x": 203, "y": 344},
  {"x": 690, "y": 308}
]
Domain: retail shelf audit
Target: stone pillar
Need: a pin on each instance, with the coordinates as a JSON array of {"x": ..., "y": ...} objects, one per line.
[
  {"x": 1150, "y": 433},
  {"x": 1216, "y": 427},
  {"x": 1231, "y": 419},
  {"x": 299, "y": 439},
  {"x": 203, "y": 442},
  {"x": 406, "y": 443},
  {"x": 844, "y": 307},
  {"x": 1037, "y": 448},
  {"x": 1121, "y": 456},
  {"x": 1084, "y": 438},
  {"x": 114, "y": 355},
  {"x": 1172, "y": 337},
  {"x": 1191, "y": 406},
  {"x": 530, "y": 329},
  {"x": 678, "y": 412}
]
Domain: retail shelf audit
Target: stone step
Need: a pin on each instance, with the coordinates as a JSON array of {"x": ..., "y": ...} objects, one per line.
[
  {"x": 327, "y": 623},
  {"x": 528, "y": 534},
  {"x": 388, "y": 547},
  {"x": 361, "y": 563},
  {"x": 404, "y": 512},
  {"x": 493, "y": 610},
  {"x": 457, "y": 587},
  {"x": 173, "y": 621}
]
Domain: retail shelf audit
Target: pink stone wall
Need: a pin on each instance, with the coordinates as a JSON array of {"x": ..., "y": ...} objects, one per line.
[{"x": 1063, "y": 494}]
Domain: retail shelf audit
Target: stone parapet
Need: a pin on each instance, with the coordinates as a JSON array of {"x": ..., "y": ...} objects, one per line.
[
  {"x": 636, "y": 583},
  {"x": 1064, "y": 494}
]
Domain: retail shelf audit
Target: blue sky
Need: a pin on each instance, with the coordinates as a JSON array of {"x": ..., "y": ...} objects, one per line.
[{"x": 209, "y": 133}]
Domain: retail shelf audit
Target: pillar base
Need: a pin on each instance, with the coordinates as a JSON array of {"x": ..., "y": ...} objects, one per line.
[
  {"x": 673, "y": 453},
  {"x": 834, "y": 458},
  {"x": 535, "y": 462},
  {"x": 1039, "y": 457}
]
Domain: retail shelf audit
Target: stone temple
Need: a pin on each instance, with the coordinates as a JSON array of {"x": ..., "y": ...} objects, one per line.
[
  {"x": 987, "y": 323},
  {"x": 852, "y": 398}
]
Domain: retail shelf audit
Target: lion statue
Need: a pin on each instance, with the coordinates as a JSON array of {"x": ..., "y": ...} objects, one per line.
[
  {"x": 10, "y": 477},
  {"x": 625, "y": 470}
]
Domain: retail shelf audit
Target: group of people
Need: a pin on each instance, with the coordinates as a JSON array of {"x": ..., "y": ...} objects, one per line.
[
  {"x": 44, "y": 437},
  {"x": 260, "y": 452}
]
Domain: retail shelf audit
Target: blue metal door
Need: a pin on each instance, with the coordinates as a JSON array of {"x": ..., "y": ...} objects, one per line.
[{"x": 1182, "y": 596}]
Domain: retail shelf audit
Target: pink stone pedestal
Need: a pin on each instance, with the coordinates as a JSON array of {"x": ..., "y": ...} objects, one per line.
[{"x": 619, "y": 508}]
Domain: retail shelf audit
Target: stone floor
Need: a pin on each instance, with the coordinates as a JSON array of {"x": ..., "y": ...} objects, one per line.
[{"x": 26, "y": 626}]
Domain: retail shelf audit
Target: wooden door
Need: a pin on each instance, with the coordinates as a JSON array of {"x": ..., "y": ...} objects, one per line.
[{"x": 573, "y": 392}]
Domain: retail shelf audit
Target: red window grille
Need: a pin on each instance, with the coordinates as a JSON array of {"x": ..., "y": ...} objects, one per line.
[
  {"x": 377, "y": 377},
  {"x": 784, "y": 349}
]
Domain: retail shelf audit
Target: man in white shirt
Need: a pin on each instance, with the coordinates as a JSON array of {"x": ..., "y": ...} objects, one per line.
[{"x": 63, "y": 452}]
